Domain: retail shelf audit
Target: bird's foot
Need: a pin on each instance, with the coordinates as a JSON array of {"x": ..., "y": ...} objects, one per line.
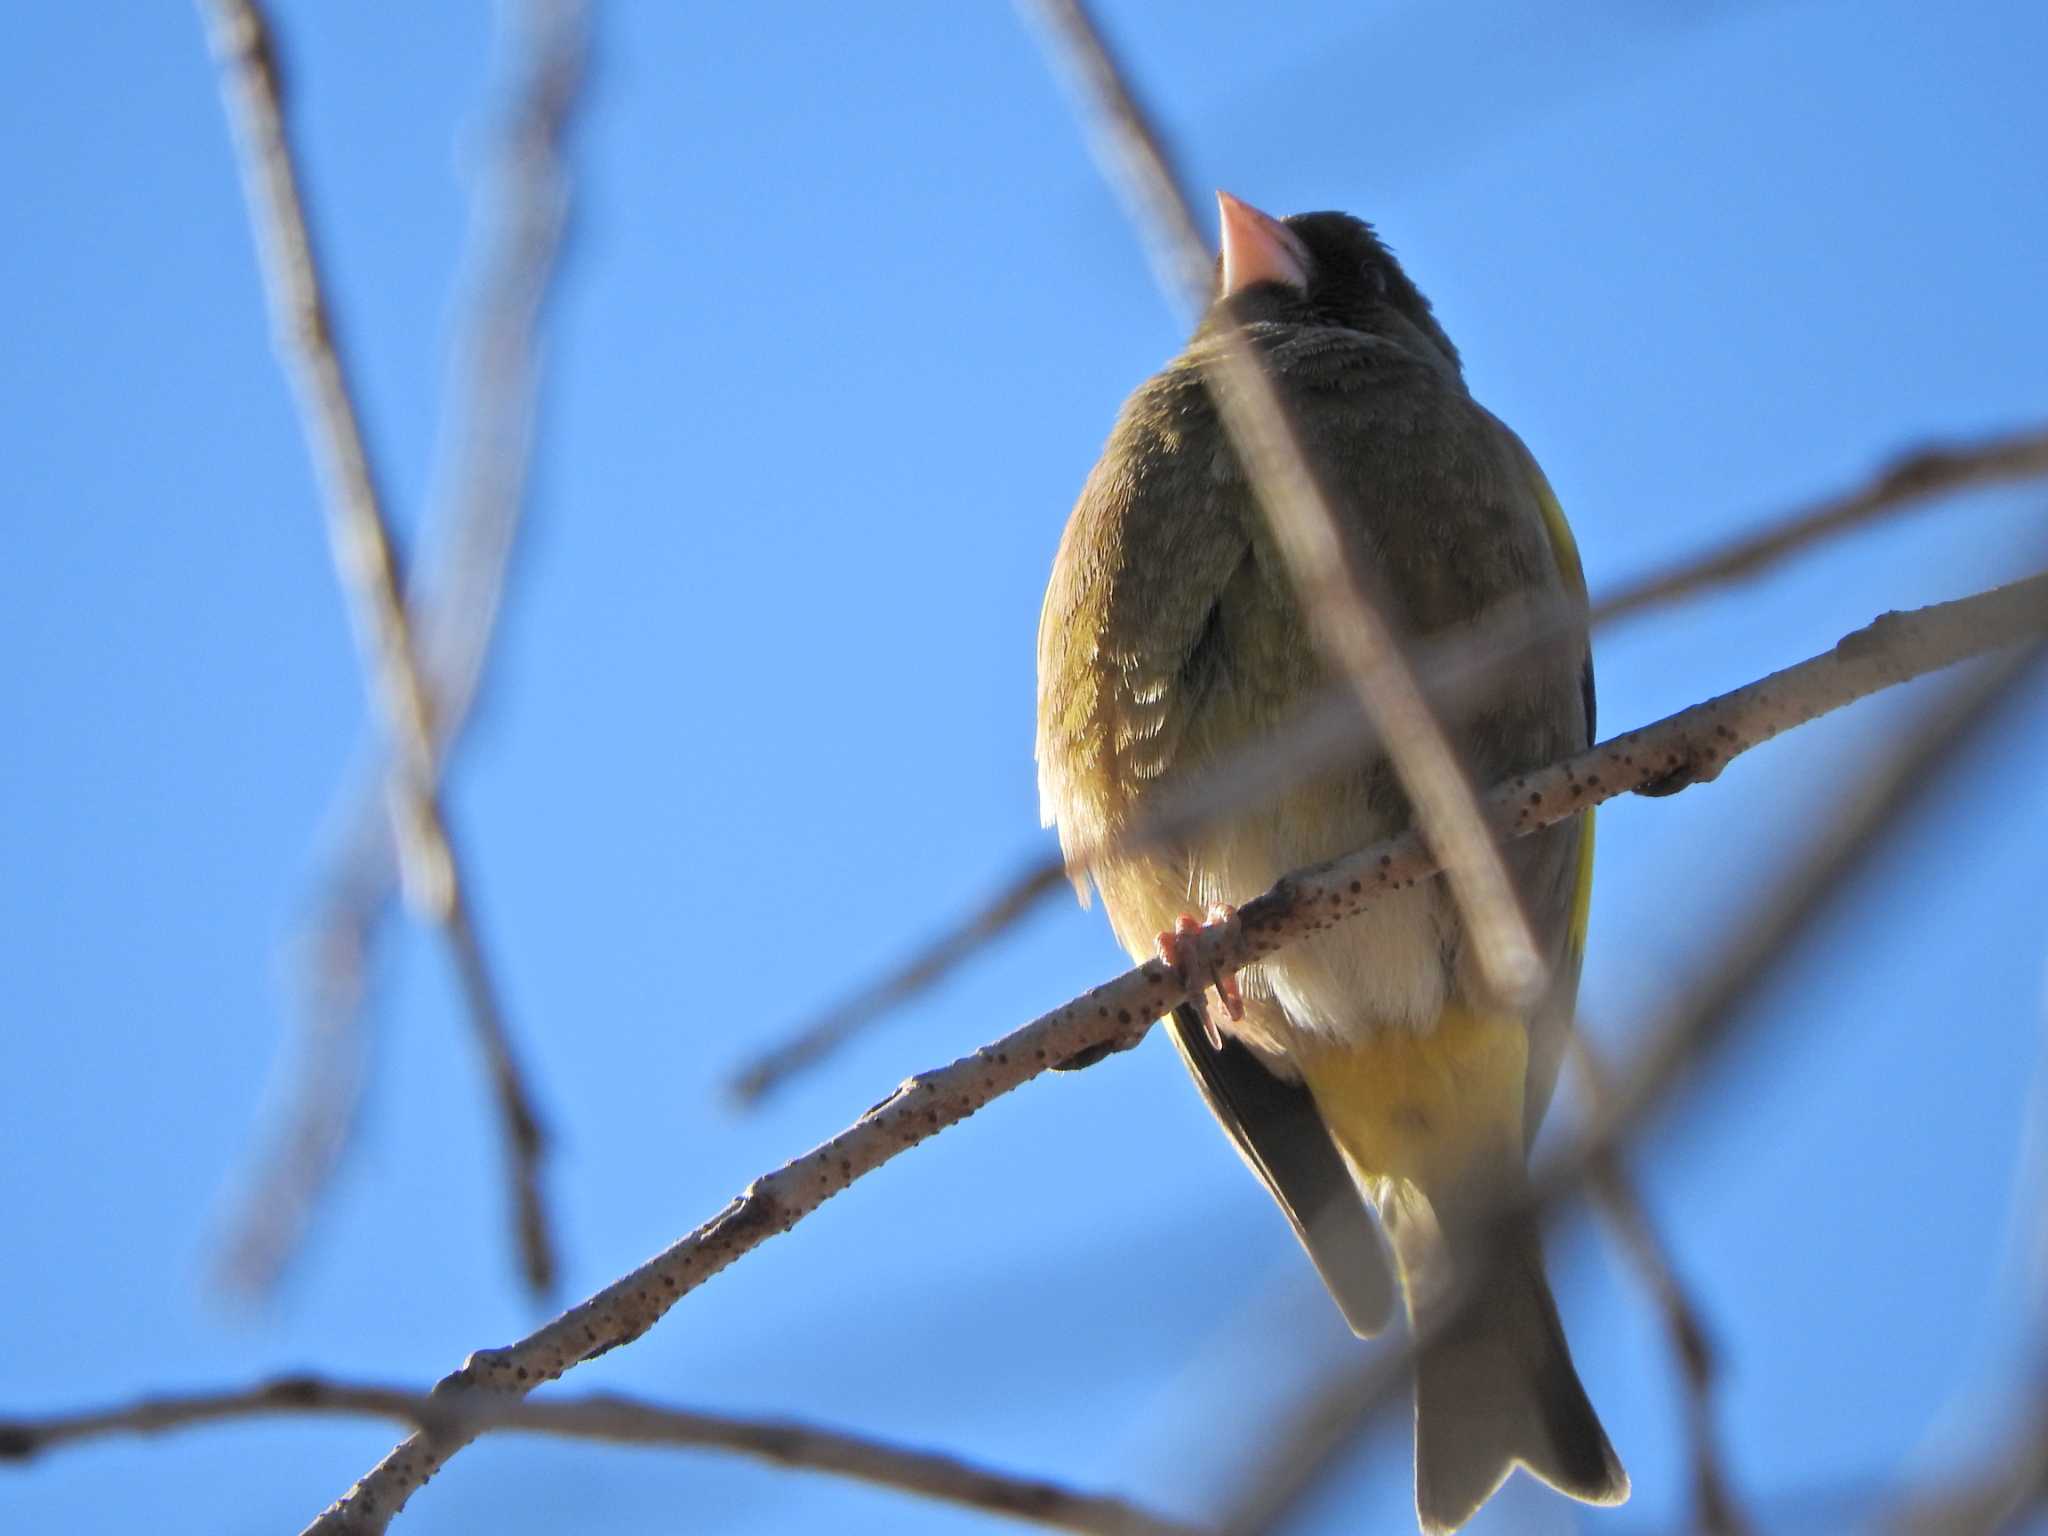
[{"x": 1225, "y": 982}]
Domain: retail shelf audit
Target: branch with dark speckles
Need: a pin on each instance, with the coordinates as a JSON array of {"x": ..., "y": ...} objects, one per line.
[
  {"x": 1695, "y": 743},
  {"x": 613, "y": 1420},
  {"x": 1323, "y": 733}
]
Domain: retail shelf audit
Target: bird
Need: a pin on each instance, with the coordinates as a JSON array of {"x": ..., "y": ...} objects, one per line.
[{"x": 1384, "y": 1095}]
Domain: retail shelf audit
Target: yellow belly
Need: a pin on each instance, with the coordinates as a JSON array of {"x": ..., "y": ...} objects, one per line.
[{"x": 1440, "y": 1111}]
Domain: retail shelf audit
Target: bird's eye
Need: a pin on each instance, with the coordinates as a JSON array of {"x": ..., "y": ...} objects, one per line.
[{"x": 1375, "y": 279}]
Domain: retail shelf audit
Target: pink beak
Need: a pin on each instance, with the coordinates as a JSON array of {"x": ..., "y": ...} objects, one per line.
[{"x": 1257, "y": 248}]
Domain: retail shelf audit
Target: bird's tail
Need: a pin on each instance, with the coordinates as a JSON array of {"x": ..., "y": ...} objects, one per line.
[{"x": 1496, "y": 1389}]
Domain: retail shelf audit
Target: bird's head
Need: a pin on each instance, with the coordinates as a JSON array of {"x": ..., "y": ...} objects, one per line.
[{"x": 1318, "y": 269}]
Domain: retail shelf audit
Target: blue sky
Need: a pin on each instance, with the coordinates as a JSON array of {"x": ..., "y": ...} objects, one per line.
[{"x": 849, "y": 314}]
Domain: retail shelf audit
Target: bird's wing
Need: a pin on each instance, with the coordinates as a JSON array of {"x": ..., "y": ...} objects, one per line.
[
  {"x": 1277, "y": 1131},
  {"x": 1552, "y": 1028},
  {"x": 1122, "y": 660}
]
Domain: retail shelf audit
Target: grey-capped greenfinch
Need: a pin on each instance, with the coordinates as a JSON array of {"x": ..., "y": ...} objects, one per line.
[{"x": 1365, "y": 1067}]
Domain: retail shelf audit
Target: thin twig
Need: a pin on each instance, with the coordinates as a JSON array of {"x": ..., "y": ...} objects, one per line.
[
  {"x": 2002, "y": 1495},
  {"x": 1327, "y": 1418},
  {"x": 1716, "y": 1510},
  {"x": 326, "y": 1069},
  {"x": 1911, "y": 479},
  {"x": 1699, "y": 741},
  {"x": 367, "y": 565},
  {"x": 824, "y": 1034},
  {"x": 520, "y": 233},
  {"x": 304, "y": 331},
  {"x": 614, "y": 1420},
  {"x": 1703, "y": 1023},
  {"x": 1339, "y": 594}
]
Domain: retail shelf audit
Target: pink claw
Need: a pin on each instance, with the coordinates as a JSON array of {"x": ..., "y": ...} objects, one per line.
[{"x": 1225, "y": 982}]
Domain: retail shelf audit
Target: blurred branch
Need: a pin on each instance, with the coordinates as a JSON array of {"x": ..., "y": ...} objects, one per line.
[
  {"x": 326, "y": 1063},
  {"x": 417, "y": 733},
  {"x": 1130, "y": 151},
  {"x": 819, "y": 1037},
  {"x": 1338, "y": 593},
  {"x": 454, "y": 601},
  {"x": 2004, "y": 1493},
  {"x": 2001, "y": 1496},
  {"x": 1911, "y": 478},
  {"x": 1696, "y": 741},
  {"x": 520, "y": 228},
  {"x": 613, "y": 1420},
  {"x": 1716, "y": 1511},
  {"x": 1330, "y": 1417},
  {"x": 1702, "y": 1023},
  {"x": 361, "y": 543},
  {"x": 1288, "y": 757}
]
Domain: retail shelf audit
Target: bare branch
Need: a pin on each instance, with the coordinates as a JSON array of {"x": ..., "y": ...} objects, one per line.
[
  {"x": 1716, "y": 1511},
  {"x": 1910, "y": 479},
  {"x": 2005, "y": 1489},
  {"x": 1130, "y": 150},
  {"x": 819, "y": 1038},
  {"x": 520, "y": 225},
  {"x": 327, "y": 1068},
  {"x": 304, "y": 330},
  {"x": 1331, "y": 1416},
  {"x": 615, "y": 1420},
  {"x": 1321, "y": 733},
  {"x": 366, "y": 562},
  {"x": 1339, "y": 595},
  {"x": 1700, "y": 740},
  {"x": 2003, "y": 1495}
]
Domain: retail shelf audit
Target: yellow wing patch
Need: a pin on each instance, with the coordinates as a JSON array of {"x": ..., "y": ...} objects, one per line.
[
  {"x": 1562, "y": 545},
  {"x": 1582, "y": 892},
  {"x": 1565, "y": 549}
]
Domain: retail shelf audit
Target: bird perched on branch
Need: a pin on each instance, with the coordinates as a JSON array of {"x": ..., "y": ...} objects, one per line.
[{"x": 1367, "y": 1065}]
